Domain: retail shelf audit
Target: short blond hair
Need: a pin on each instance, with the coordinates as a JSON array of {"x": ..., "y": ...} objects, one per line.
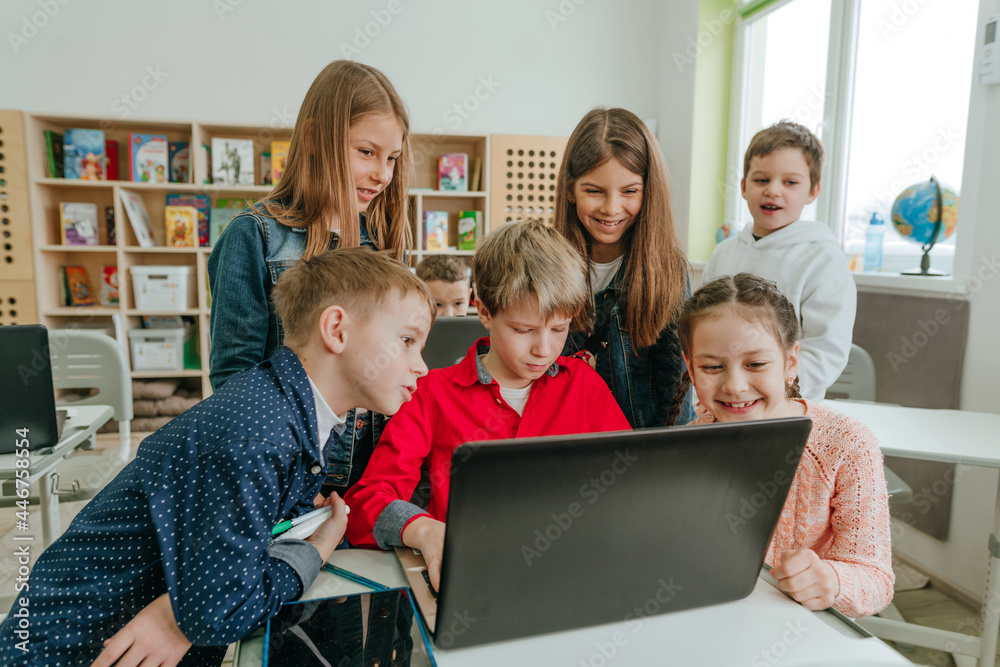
[
  {"x": 358, "y": 280},
  {"x": 526, "y": 257},
  {"x": 442, "y": 267}
]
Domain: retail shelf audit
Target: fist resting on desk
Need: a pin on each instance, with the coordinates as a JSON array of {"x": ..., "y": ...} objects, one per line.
[{"x": 807, "y": 579}]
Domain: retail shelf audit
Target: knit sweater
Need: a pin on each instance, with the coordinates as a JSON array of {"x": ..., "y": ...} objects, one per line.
[{"x": 838, "y": 506}]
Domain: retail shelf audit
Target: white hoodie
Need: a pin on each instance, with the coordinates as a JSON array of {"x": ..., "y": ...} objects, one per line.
[{"x": 807, "y": 264}]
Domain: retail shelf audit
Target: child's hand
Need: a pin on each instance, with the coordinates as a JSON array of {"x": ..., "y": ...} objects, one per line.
[
  {"x": 807, "y": 578},
  {"x": 427, "y": 535},
  {"x": 330, "y": 532},
  {"x": 151, "y": 638}
]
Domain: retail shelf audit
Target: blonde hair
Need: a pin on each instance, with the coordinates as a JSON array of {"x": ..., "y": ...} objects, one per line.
[
  {"x": 786, "y": 134},
  {"x": 756, "y": 300},
  {"x": 655, "y": 279},
  {"x": 356, "y": 279},
  {"x": 442, "y": 267},
  {"x": 526, "y": 257},
  {"x": 317, "y": 185}
]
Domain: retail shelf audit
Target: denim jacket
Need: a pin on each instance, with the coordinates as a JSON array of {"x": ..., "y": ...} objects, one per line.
[
  {"x": 644, "y": 384},
  {"x": 243, "y": 268}
]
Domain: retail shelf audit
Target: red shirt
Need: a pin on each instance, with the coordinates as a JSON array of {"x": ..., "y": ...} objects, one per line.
[{"x": 462, "y": 404}]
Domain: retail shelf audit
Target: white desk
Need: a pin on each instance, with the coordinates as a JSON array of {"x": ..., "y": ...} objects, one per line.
[
  {"x": 948, "y": 436},
  {"x": 81, "y": 423},
  {"x": 767, "y": 628}
]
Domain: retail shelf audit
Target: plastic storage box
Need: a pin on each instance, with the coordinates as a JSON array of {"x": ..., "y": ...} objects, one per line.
[
  {"x": 160, "y": 349},
  {"x": 164, "y": 288}
]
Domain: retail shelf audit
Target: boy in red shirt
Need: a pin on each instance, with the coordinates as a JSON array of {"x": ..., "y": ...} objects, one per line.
[{"x": 529, "y": 285}]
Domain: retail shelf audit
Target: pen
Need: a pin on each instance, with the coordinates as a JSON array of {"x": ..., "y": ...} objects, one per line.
[
  {"x": 288, "y": 523},
  {"x": 356, "y": 578}
]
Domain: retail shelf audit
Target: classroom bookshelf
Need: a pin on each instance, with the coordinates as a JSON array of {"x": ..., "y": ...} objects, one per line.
[{"x": 43, "y": 195}]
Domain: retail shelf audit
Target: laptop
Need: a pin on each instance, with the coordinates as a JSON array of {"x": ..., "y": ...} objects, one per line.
[
  {"x": 551, "y": 534},
  {"x": 28, "y": 401},
  {"x": 449, "y": 340}
]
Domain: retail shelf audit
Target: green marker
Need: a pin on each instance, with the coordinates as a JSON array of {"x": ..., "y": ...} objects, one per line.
[{"x": 289, "y": 523}]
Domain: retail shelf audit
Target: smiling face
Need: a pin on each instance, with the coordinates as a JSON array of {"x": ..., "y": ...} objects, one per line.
[
  {"x": 375, "y": 142},
  {"x": 739, "y": 369},
  {"x": 777, "y": 188},
  {"x": 608, "y": 200},
  {"x": 522, "y": 344},
  {"x": 384, "y": 353},
  {"x": 450, "y": 298}
]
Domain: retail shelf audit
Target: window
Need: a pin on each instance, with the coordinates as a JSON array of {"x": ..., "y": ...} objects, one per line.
[{"x": 884, "y": 84}]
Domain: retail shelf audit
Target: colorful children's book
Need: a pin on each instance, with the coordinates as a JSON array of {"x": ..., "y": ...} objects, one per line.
[
  {"x": 148, "y": 157},
  {"x": 83, "y": 154},
  {"x": 53, "y": 154},
  {"x": 76, "y": 286},
  {"x": 239, "y": 203},
  {"x": 232, "y": 161},
  {"x": 111, "y": 159},
  {"x": 109, "y": 219},
  {"x": 476, "y": 174},
  {"x": 180, "y": 161},
  {"x": 265, "y": 169},
  {"x": 453, "y": 172},
  {"x": 109, "y": 286},
  {"x": 435, "y": 230},
  {"x": 469, "y": 223},
  {"x": 200, "y": 202},
  {"x": 206, "y": 152},
  {"x": 78, "y": 223},
  {"x": 220, "y": 217},
  {"x": 181, "y": 224},
  {"x": 279, "y": 153},
  {"x": 135, "y": 208}
]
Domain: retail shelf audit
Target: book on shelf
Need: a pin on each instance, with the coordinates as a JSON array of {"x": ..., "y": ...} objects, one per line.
[
  {"x": 179, "y": 159},
  {"x": 83, "y": 154},
  {"x": 135, "y": 208},
  {"x": 453, "y": 172},
  {"x": 53, "y": 154},
  {"x": 469, "y": 224},
  {"x": 109, "y": 286},
  {"x": 232, "y": 161},
  {"x": 476, "y": 175},
  {"x": 148, "y": 153},
  {"x": 238, "y": 203},
  {"x": 109, "y": 220},
  {"x": 111, "y": 161},
  {"x": 279, "y": 154},
  {"x": 265, "y": 169},
  {"x": 78, "y": 223},
  {"x": 206, "y": 152},
  {"x": 75, "y": 286},
  {"x": 435, "y": 230},
  {"x": 219, "y": 218},
  {"x": 201, "y": 202},
  {"x": 180, "y": 224}
]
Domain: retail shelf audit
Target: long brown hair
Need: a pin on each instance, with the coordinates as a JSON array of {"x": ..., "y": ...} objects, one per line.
[
  {"x": 756, "y": 299},
  {"x": 655, "y": 276},
  {"x": 317, "y": 187}
]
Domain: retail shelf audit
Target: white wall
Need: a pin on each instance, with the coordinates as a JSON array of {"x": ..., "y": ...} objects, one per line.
[{"x": 547, "y": 62}]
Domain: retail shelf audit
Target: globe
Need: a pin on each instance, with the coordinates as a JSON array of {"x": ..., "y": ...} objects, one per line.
[{"x": 916, "y": 213}]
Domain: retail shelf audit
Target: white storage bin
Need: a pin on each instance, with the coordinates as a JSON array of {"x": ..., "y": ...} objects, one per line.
[
  {"x": 159, "y": 349},
  {"x": 164, "y": 288}
]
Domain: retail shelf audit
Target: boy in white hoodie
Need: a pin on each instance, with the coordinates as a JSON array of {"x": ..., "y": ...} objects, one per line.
[{"x": 781, "y": 174}]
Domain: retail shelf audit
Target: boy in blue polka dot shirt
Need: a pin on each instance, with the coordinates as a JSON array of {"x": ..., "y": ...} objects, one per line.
[{"x": 173, "y": 559}]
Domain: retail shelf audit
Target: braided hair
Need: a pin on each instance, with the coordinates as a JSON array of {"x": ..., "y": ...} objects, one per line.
[{"x": 757, "y": 299}]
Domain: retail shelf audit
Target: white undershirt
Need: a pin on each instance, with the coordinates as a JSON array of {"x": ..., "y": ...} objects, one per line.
[
  {"x": 516, "y": 398},
  {"x": 325, "y": 419},
  {"x": 601, "y": 274}
]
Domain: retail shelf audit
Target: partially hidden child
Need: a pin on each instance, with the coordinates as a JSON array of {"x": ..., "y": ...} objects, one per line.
[
  {"x": 613, "y": 204},
  {"x": 831, "y": 547},
  {"x": 175, "y": 555},
  {"x": 529, "y": 287},
  {"x": 448, "y": 279},
  {"x": 781, "y": 176}
]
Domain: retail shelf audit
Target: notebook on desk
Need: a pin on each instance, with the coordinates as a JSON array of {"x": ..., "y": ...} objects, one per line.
[
  {"x": 551, "y": 534},
  {"x": 28, "y": 399},
  {"x": 450, "y": 338}
]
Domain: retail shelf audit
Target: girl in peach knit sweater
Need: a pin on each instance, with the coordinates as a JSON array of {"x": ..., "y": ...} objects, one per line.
[{"x": 739, "y": 338}]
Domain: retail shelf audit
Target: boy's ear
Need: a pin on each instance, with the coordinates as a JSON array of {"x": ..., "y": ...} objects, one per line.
[
  {"x": 743, "y": 187},
  {"x": 813, "y": 194},
  {"x": 333, "y": 326},
  {"x": 484, "y": 315}
]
